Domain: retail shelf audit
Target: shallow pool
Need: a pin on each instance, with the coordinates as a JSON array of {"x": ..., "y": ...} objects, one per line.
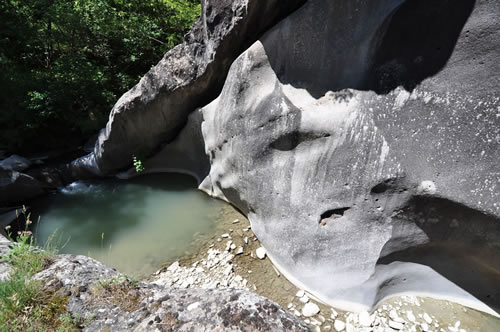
[{"x": 133, "y": 226}]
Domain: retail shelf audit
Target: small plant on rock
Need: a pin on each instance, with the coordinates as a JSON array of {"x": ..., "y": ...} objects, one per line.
[
  {"x": 24, "y": 304},
  {"x": 139, "y": 167}
]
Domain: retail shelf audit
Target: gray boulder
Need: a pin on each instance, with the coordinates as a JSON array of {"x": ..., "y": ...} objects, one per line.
[
  {"x": 5, "y": 268},
  {"x": 154, "y": 111},
  {"x": 108, "y": 301}
]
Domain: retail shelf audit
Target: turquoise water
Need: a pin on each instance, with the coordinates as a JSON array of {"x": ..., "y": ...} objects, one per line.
[{"x": 134, "y": 226}]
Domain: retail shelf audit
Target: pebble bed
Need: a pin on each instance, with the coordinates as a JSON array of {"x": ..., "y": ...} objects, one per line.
[{"x": 235, "y": 259}]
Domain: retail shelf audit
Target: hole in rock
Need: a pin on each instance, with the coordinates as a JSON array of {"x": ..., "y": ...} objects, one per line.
[
  {"x": 290, "y": 141},
  {"x": 389, "y": 185},
  {"x": 332, "y": 214}
]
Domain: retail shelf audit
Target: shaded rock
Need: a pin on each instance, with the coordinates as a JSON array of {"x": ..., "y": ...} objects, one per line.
[
  {"x": 154, "y": 111},
  {"x": 15, "y": 163},
  {"x": 17, "y": 187}
]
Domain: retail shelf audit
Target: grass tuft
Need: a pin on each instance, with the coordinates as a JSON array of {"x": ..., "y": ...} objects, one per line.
[{"x": 24, "y": 304}]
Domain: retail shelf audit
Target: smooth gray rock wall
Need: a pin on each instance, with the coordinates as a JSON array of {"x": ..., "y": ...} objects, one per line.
[{"x": 339, "y": 169}]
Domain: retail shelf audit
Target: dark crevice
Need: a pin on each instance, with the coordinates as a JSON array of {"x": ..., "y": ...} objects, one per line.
[
  {"x": 290, "y": 141},
  {"x": 392, "y": 185},
  {"x": 403, "y": 47},
  {"x": 332, "y": 214},
  {"x": 464, "y": 245},
  {"x": 418, "y": 41}
]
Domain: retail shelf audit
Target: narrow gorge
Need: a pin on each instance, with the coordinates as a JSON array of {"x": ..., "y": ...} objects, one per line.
[{"x": 361, "y": 139}]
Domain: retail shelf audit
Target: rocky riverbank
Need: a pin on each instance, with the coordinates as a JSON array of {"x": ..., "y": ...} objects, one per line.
[
  {"x": 235, "y": 259},
  {"x": 229, "y": 284},
  {"x": 99, "y": 298}
]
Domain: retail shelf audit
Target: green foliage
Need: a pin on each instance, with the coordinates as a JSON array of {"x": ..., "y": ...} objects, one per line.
[
  {"x": 139, "y": 167},
  {"x": 63, "y": 63}
]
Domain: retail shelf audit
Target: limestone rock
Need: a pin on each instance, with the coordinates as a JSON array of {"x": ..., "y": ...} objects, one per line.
[
  {"x": 260, "y": 253},
  {"x": 5, "y": 268},
  {"x": 352, "y": 151},
  {"x": 154, "y": 111},
  {"x": 359, "y": 137},
  {"x": 310, "y": 309},
  {"x": 338, "y": 325},
  {"x": 152, "y": 307}
]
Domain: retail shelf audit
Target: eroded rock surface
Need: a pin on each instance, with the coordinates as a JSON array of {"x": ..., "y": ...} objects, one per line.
[
  {"x": 361, "y": 138},
  {"x": 106, "y": 301},
  {"x": 364, "y": 152},
  {"x": 154, "y": 111}
]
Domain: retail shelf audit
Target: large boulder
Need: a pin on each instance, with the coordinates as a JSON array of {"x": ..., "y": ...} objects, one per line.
[
  {"x": 361, "y": 138},
  {"x": 108, "y": 301},
  {"x": 154, "y": 111}
]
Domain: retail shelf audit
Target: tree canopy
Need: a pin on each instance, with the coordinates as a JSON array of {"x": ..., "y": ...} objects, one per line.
[{"x": 64, "y": 63}]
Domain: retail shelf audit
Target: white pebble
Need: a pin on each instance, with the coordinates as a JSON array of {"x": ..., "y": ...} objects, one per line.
[
  {"x": 193, "y": 306},
  {"x": 338, "y": 325},
  {"x": 261, "y": 253},
  {"x": 395, "y": 325},
  {"x": 365, "y": 319},
  {"x": 310, "y": 309},
  {"x": 410, "y": 316},
  {"x": 304, "y": 299}
]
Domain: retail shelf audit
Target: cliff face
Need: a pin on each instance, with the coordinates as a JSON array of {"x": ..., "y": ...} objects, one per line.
[{"x": 361, "y": 138}]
